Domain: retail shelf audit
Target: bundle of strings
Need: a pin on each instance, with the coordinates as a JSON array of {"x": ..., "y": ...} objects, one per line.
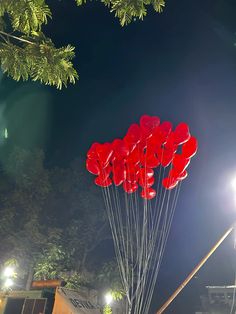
[{"x": 140, "y": 229}]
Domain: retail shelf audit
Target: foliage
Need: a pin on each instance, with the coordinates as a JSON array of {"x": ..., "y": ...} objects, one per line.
[
  {"x": 109, "y": 276},
  {"x": 50, "y": 263},
  {"x": 51, "y": 220},
  {"x": 74, "y": 280},
  {"x": 107, "y": 309},
  {"x": 127, "y": 11},
  {"x": 117, "y": 295},
  {"x": 26, "y": 52}
]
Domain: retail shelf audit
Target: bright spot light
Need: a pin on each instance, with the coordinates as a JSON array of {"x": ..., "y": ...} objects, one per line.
[
  {"x": 233, "y": 183},
  {"x": 8, "y": 283},
  {"x": 5, "y": 133},
  {"x": 108, "y": 298},
  {"x": 8, "y": 272}
]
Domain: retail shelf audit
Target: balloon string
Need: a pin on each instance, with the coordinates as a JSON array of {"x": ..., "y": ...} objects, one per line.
[{"x": 140, "y": 234}]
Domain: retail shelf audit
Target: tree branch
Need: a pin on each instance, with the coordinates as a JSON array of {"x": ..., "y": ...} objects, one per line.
[{"x": 17, "y": 38}]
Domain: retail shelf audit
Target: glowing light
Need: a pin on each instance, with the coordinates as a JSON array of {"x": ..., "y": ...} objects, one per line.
[
  {"x": 8, "y": 283},
  {"x": 233, "y": 184},
  {"x": 8, "y": 272},
  {"x": 108, "y": 298},
  {"x": 5, "y": 133}
]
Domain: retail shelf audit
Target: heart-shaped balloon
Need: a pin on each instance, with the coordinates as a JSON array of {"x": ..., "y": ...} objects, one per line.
[
  {"x": 173, "y": 173},
  {"x": 149, "y": 124},
  {"x": 104, "y": 152},
  {"x": 120, "y": 149},
  {"x": 169, "y": 183},
  {"x": 181, "y": 133},
  {"x": 133, "y": 134},
  {"x": 165, "y": 156},
  {"x": 146, "y": 183},
  {"x": 153, "y": 142},
  {"x": 183, "y": 175},
  {"x": 92, "y": 152},
  {"x": 131, "y": 176},
  {"x": 146, "y": 173},
  {"x": 148, "y": 193},
  {"x": 170, "y": 143},
  {"x": 189, "y": 148},
  {"x": 149, "y": 160},
  {"x": 93, "y": 166},
  {"x": 180, "y": 163},
  {"x": 103, "y": 183},
  {"x": 105, "y": 172},
  {"x": 163, "y": 131},
  {"x": 134, "y": 156},
  {"x": 119, "y": 172},
  {"x": 130, "y": 187}
]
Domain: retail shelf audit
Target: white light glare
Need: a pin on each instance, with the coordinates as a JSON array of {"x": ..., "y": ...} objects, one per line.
[
  {"x": 108, "y": 298},
  {"x": 8, "y": 272},
  {"x": 233, "y": 184},
  {"x": 8, "y": 283}
]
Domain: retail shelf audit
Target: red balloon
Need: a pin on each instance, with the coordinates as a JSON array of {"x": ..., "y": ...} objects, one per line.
[
  {"x": 146, "y": 183},
  {"x": 148, "y": 122},
  {"x": 148, "y": 125},
  {"x": 103, "y": 183},
  {"x": 130, "y": 187},
  {"x": 92, "y": 152},
  {"x": 177, "y": 175},
  {"x": 134, "y": 156},
  {"x": 146, "y": 173},
  {"x": 93, "y": 166},
  {"x": 148, "y": 193},
  {"x": 150, "y": 160},
  {"x": 165, "y": 156},
  {"x": 169, "y": 183},
  {"x": 121, "y": 150},
  {"x": 133, "y": 134},
  {"x": 153, "y": 142},
  {"x": 132, "y": 176},
  {"x": 104, "y": 152},
  {"x": 180, "y": 163},
  {"x": 164, "y": 131},
  {"x": 131, "y": 167},
  {"x": 189, "y": 148},
  {"x": 105, "y": 172},
  {"x": 181, "y": 133},
  {"x": 170, "y": 143},
  {"x": 119, "y": 172},
  {"x": 183, "y": 175}
]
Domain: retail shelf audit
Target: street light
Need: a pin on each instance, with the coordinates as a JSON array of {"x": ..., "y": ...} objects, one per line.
[
  {"x": 108, "y": 298},
  {"x": 8, "y": 283},
  {"x": 233, "y": 184},
  {"x": 8, "y": 272}
]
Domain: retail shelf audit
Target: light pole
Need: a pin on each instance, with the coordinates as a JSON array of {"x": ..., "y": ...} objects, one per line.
[{"x": 195, "y": 270}]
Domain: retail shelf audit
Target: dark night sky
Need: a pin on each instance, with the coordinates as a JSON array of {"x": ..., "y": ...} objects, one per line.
[{"x": 181, "y": 66}]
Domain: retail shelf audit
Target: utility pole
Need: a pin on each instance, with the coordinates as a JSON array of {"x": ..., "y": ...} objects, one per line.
[{"x": 195, "y": 270}]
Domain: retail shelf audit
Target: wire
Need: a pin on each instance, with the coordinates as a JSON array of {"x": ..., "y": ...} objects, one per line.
[{"x": 140, "y": 231}]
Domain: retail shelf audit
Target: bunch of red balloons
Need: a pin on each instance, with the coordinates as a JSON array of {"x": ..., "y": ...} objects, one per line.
[{"x": 146, "y": 146}]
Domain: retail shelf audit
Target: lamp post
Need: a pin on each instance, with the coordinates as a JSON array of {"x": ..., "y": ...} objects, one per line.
[{"x": 195, "y": 270}]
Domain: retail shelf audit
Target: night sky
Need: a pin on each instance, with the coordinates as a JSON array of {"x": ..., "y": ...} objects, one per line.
[{"x": 181, "y": 66}]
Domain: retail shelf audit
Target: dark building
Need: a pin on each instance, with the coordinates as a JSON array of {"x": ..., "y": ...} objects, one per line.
[{"x": 218, "y": 300}]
